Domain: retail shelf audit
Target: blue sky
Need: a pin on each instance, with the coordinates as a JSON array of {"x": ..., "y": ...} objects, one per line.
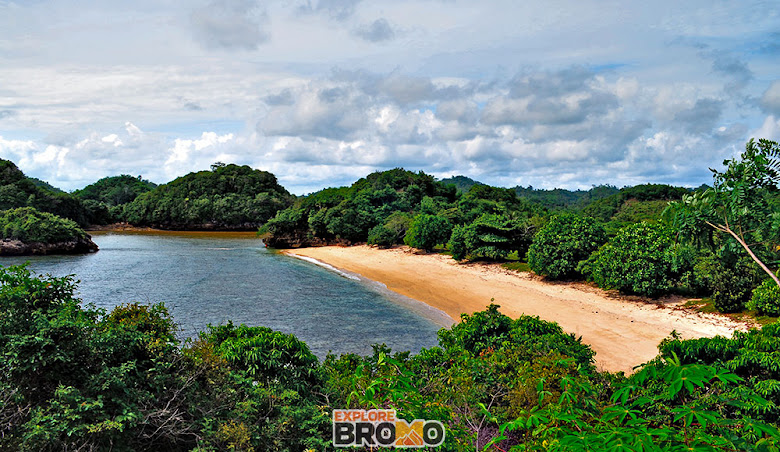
[{"x": 550, "y": 94}]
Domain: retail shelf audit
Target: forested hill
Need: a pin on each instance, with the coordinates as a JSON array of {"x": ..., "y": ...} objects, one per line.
[
  {"x": 17, "y": 190},
  {"x": 115, "y": 190},
  {"x": 397, "y": 205},
  {"x": 106, "y": 198},
  {"x": 461, "y": 183},
  {"x": 227, "y": 197},
  {"x": 560, "y": 199}
]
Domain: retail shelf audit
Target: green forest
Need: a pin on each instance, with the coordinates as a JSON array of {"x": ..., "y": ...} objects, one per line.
[
  {"x": 75, "y": 377},
  {"x": 80, "y": 378}
]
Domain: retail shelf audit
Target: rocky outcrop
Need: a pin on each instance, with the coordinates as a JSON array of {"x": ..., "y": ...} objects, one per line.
[{"x": 11, "y": 247}]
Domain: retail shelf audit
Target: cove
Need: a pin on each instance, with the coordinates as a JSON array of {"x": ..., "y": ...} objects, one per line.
[{"x": 213, "y": 277}]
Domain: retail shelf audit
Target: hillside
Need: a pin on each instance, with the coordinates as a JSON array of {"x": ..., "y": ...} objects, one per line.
[
  {"x": 461, "y": 183},
  {"x": 17, "y": 190},
  {"x": 561, "y": 199},
  {"x": 105, "y": 198},
  {"x": 384, "y": 207},
  {"x": 115, "y": 190}
]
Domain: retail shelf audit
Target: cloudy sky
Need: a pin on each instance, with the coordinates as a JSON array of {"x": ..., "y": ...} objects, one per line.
[{"x": 321, "y": 92}]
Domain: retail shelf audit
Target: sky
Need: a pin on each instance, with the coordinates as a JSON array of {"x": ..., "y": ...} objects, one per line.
[{"x": 565, "y": 94}]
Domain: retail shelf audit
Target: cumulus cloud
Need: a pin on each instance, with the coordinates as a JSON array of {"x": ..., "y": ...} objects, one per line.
[
  {"x": 377, "y": 31},
  {"x": 701, "y": 117},
  {"x": 506, "y": 92},
  {"x": 563, "y": 97},
  {"x": 335, "y": 9},
  {"x": 770, "y": 101},
  {"x": 230, "y": 24}
]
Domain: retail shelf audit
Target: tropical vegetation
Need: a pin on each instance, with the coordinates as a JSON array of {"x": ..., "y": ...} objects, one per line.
[
  {"x": 76, "y": 377},
  {"x": 29, "y": 225},
  {"x": 226, "y": 197}
]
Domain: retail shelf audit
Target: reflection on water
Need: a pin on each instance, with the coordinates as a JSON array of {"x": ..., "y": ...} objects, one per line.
[{"x": 207, "y": 277}]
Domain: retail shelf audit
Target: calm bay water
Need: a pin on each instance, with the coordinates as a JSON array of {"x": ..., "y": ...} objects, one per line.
[{"x": 210, "y": 278}]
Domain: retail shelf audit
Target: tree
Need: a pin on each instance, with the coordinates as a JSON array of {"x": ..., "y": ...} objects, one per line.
[
  {"x": 742, "y": 204},
  {"x": 427, "y": 231},
  {"x": 562, "y": 243}
]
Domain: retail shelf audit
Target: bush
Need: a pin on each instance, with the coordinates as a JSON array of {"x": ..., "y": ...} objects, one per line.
[
  {"x": 638, "y": 260},
  {"x": 731, "y": 283},
  {"x": 427, "y": 231},
  {"x": 381, "y": 237},
  {"x": 766, "y": 298},
  {"x": 29, "y": 225},
  {"x": 562, "y": 243},
  {"x": 491, "y": 236}
]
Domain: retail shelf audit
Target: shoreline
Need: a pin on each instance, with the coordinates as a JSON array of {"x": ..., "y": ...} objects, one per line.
[{"x": 623, "y": 331}]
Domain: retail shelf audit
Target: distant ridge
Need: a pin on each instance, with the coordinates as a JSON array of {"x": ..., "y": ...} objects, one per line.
[{"x": 462, "y": 183}]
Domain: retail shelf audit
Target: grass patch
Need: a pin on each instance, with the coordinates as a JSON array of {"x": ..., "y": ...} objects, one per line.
[
  {"x": 522, "y": 267},
  {"x": 706, "y": 305}
]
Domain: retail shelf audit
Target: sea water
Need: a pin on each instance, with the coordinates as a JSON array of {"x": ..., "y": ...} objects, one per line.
[{"x": 213, "y": 278}]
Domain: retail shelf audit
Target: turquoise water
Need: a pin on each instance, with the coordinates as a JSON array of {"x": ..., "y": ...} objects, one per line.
[{"x": 210, "y": 278}]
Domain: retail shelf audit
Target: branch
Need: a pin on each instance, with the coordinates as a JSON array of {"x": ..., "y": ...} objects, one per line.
[{"x": 769, "y": 272}]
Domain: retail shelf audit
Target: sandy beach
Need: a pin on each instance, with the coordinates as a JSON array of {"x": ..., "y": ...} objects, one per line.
[{"x": 624, "y": 332}]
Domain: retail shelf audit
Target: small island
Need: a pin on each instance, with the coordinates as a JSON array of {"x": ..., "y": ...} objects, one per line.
[{"x": 26, "y": 230}]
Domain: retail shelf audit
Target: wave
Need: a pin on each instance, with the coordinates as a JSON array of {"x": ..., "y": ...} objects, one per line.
[{"x": 326, "y": 266}]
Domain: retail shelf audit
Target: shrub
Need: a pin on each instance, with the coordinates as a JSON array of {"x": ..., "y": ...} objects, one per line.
[
  {"x": 381, "y": 236},
  {"x": 491, "y": 236},
  {"x": 766, "y": 298},
  {"x": 732, "y": 284},
  {"x": 562, "y": 243},
  {"x": 638, "y": 260},
  {"x": 459, "y": 242},
  {"x": 427, "y": 231}
]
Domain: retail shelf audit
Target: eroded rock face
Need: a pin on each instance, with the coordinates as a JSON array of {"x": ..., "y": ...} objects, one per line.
[{"x": 10, "y": 247}]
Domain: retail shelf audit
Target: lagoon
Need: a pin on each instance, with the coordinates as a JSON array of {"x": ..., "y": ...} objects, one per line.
[{"x": 215, "y": 277}]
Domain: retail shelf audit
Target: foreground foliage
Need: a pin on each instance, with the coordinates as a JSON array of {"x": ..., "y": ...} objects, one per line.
[{"x": 79, "y": 378}]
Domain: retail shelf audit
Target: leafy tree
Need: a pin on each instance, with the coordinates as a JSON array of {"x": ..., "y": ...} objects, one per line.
[
  {"x": 461, "y": 183},
  {"x": 348, "y": 214},
  {"x": 427, "y": 231},
  {"x": 742, "y": 206},
  {"x": 638, "y": 260},
  {"x": 562, "y": 243},
  {"x": 732, "y": 284}
]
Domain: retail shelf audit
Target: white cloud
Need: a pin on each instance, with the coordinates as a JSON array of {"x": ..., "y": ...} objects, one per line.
[{"x": 323, "y": 91}]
